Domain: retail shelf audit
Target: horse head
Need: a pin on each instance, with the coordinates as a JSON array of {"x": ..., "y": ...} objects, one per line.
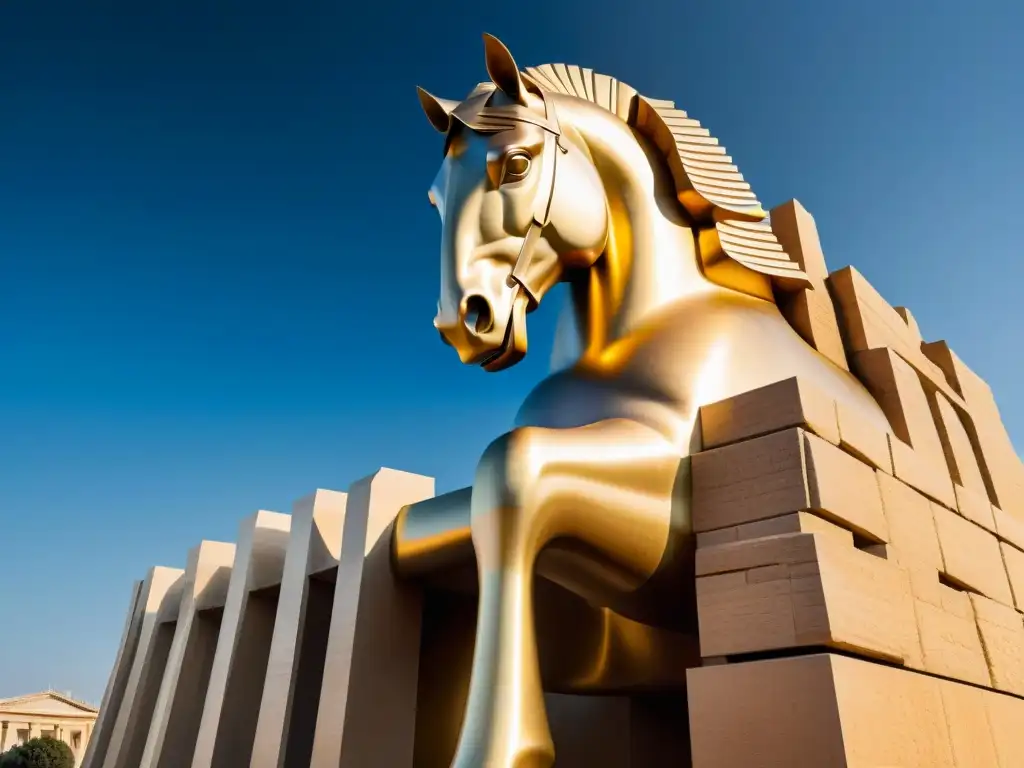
[{"x": 509, "y": 231}]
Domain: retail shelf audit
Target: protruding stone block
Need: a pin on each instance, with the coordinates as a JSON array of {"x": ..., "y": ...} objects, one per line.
[
  {"x": 949, "y": 634},
  {"x": 797, "y": 522},
  {"x": 918, "y": 457},
  {"x": 971, "y": 556},
  {"x": 287, "y": 719},
  {"x": 179, "y": 704},
  {"x": 1000, "y": 464},
  {"x": 228, "y": 724},
  {"x": 1002, "y": 636},
  {"x": 812, "y": 315},
  {"x": 1013, "y": 558},
  {"x": 911, "y": 321},
  {"x": 367, "y": 713},
  {"x": 816, "y": 711},
  {"x": 797, "y": 232},
  {"x": 779, "y": 406},
  {"x": 810, "y": 310},
  {"x": 911, "y": 524},
  {"x": 782, "y": 473},
  {"x": 1008, "y": 527},
  {"x": 868, "y": 322},
  {"x": 798, "y": 590},
  {"x": 975, "y": 507},
  {"x": 863, "y": 440},
  {"x": 960, "y": 458},
  {"x": 970, "y": 734}
]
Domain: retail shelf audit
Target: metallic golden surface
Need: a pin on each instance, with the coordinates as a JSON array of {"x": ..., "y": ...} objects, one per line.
[
  {"x": 582, "y": 650},
  {"x": 560, "y": 174}
]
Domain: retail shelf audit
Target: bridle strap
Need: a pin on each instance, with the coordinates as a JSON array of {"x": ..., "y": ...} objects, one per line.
[{"x": 541, "y": 205}]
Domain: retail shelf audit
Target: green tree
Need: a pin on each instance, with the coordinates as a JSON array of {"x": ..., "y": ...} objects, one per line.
[{"x": 44, "y": 752}]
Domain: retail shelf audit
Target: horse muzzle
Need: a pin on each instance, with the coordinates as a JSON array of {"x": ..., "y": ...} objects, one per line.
[{"x": 480, "y": 337}]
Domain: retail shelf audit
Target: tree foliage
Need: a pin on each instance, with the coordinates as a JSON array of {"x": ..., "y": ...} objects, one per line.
[{"x": 44, "y": 752}]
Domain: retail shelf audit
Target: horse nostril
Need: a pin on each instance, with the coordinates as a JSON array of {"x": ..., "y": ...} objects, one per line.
[{"x": 478, "y": 317}]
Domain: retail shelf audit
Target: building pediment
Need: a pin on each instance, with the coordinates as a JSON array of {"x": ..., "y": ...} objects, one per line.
[{"x": 46, "y": 703}]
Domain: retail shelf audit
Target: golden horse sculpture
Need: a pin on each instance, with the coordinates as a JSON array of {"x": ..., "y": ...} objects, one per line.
[{"x": 557, "y": 174}]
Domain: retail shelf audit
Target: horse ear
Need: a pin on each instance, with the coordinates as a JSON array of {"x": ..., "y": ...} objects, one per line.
[
  {"x": 438, "y": 110},
  {"x": 503, "y": 70}
]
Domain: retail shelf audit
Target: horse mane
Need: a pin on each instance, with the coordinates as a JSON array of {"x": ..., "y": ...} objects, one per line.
[{"x": 708, "y": 185}]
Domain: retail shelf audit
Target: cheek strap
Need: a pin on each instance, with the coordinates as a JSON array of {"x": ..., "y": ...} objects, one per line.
[{"x": 541, "y": 207}]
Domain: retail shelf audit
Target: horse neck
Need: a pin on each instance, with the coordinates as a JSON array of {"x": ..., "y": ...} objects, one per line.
[{"x": 651, "y": 261}]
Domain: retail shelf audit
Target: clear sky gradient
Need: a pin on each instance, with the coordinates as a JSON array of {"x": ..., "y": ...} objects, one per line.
[{"x": 218, "y": 266}]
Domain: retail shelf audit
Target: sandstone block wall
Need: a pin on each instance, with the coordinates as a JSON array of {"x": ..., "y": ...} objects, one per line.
[{"x": 859, "y": 593}]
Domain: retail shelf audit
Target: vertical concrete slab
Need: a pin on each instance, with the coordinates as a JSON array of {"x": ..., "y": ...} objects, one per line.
[
  {"x": 179, "y": 705},
  {"x": 367, "y": 714},
  {"x": 284, "y": 730},
  {"x": 96, "y": 747},
  {"x": 161, "y": 599},
  {"x": 228, "y": 723}
]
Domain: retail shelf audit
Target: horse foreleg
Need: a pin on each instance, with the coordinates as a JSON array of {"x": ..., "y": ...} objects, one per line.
[{"x": 607, "y": 486}]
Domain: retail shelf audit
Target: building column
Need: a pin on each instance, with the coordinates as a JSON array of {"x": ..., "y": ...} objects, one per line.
[
  {"x": 83, "y": 748},
  {"x": 3, "y": 736},
  {"x": 231, "y": 708},
  {"x": 371, "y": 670},
  {"x": 172, "y": 731},
  {"x": 160, "y": 599},
  {"x": 114, "y": 692},
  {"x": 284, "y": 731}
]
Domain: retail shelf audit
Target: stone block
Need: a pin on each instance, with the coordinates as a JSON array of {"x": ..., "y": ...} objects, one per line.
[
  {"x": 960, "y": 456},
  {"x": 911, "y": 321},
  {"x": 950, "y": 643},
  {"x": 1013, "y": 559},
  {"x": 911, "y": 523},
  {"x": 812, "y": 315},
  {"x": 998, "y": 460},
  {"x": 970, "y": 734},
  {"x": 816, "y": 711},
  {"x": 868, "y": 322},
  {"x": 975, "y": 507},
  {"x": 1002, "y": 637},
  {"x": 796, "y": 231},
  {"x": 844, "y": 489},
  {"x": 773, "y": 408},
  {"x": 898, "y": 389},
  {"x": 971, "y": 556},
  {"x": 863, "y": 440},
  {"x": 797, "y": 522},
  {"x": 782, "y": 473},
  {"x": 1008, "y": 527},
  {"x": 809, "y": 310},
  {"x": 794, "y": 590},
  {"x": 1005, "y": 714}
]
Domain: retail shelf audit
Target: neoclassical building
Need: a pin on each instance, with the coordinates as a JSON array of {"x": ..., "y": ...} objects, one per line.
[{"x": 46, "y": 714}]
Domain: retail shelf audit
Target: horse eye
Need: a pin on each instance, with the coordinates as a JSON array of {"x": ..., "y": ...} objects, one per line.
[{"x": 517, "y": 165}]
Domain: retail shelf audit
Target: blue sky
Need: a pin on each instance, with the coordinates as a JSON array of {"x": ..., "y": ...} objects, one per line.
[{"x": 218, "y": 267}]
